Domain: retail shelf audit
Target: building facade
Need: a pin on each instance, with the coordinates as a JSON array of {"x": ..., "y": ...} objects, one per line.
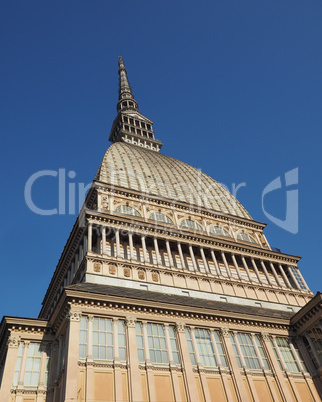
[{"x": 166, "y": 290}]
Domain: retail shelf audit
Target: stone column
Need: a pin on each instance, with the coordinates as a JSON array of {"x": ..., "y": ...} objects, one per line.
[
  {"x": 9, "y": 369},
  {"x": 213, "y": 256},
  {"x": 236, "y": 266},
  {"x": 246, "y": 268},
  {"x": 131, "y": 246},
  {"x": 157, "y": 252},
  {"x": 192, "y": 391},
  {"x": 223, "y": 256},
  {"x": 90, "y": 236},
  {"x": 192, "y": 256},
  {"x": 266, "y": 273},
  {"x": 275, "y": 274},
  {"x": 256, "y": 270},
  {"x": 145, "y": 255},
  {"x": 135, "y": 387},
  {"x": 117, "y": 242},
  {"x": 167, "y": 244},
  {"x": 103, "y": 240},
  {"x": 205, "y": 263},
  {"x": 71, "y": 366},
  {"x": 181, "y": 256},
  {"x": 287, "y": 282}
]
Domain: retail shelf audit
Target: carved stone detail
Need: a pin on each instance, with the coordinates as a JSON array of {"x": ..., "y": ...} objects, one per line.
[
  {"x": 141, "y": 274},
  {"x": 130, "y": 321},
  {"x": 224, "y": 332},
  {"x": 97, "y": 267},
  {"x": 265, "y": 336},
  {"x": 74, "y": 315},
  {"x": 112, "y": 269},
  {"x": 155, "y": 276},
  {"x": 127, "y": 272},
  {"x": 13, "y": 341},
  {"x": 180, "y": 327}
]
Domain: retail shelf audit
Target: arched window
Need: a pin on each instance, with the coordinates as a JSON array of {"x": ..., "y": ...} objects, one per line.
[
  {"x": 245, "y": 237},
  {"x": 187, "y": 223},
  {"x": 219, "y": 231},
  {"x": 126, "y": 210},
  {"x": 159, "y": 217}
]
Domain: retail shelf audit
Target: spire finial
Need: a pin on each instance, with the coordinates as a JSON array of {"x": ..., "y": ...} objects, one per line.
[
  {"x": 125, "y": 92},
  {"x": 130, "y": 125}
]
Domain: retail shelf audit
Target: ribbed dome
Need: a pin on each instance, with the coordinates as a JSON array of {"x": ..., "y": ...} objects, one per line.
[{"x": 149, "y": 172}]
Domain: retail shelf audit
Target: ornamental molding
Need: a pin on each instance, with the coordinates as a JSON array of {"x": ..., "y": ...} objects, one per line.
[
  {"x": 265, "y": 336},
  {"x": 74, "y": 315},
  {"x": 13, "y": 341},
  {"x": 180, "y": 326},
  {"x": 130, "y": 321},
  {"x": 224, "y": 331}
]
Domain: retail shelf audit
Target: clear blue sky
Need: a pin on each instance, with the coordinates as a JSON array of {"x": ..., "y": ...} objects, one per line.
[{"x": 234, "y": 88}]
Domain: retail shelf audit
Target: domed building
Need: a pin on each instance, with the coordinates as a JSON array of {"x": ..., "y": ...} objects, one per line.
[{"x": 166, "y": 290}]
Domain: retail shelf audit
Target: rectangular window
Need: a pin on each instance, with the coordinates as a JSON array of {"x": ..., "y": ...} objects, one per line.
[
  {"x": 205, "y": 347},
  {"x": 121, "y": 340},
  {"x": 174, "y": 345},
  {"x": 232, "y": 339},
  {"x": 33, "y": 365},
  {"x": 276, "y": 355},
  {"x": 83, "y": 338},
  {"x": 248, "y": 351},
  {"x": 190, "y": 347},
  {"x": 157, "y": 343},
  {"x": 300, "y": 357},
  {"x": 287, "y": 355},
  {"x": 261, "y": 352},
  {"x": 298, "y": 278},
  {"x": 102, "y": 339},
  {"x": 47, "y": 367},
  {"x": 220, "y": 350},
  {"x": 139, "y": 341},
  {"x": 18, "y": 364}
]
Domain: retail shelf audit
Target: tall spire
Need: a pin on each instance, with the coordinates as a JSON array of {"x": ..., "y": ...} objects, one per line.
[
  {"x": 126, "y": 98},
  {"x": 129, "y": 125}
]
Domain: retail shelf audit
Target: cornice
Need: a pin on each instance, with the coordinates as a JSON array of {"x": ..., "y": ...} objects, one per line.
[{"x": 134, "y": 306}]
